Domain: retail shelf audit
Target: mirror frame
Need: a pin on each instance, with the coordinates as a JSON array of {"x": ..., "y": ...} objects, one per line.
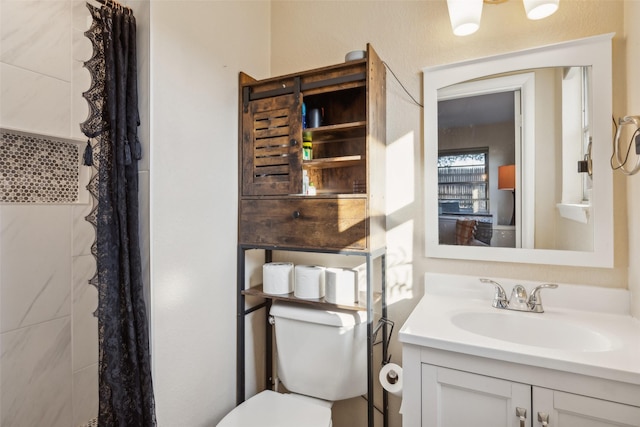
[{"x": 591, "y": 51}]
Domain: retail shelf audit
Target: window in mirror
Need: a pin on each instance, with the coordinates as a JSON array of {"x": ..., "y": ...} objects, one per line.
[
  {"x": 576, "y": 145},
  {"x": 462, "y": 182},
  {"x": 576, "y": 134}
]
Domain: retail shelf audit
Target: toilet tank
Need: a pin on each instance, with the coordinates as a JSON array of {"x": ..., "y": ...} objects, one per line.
[{"x": 321, "y": 353}]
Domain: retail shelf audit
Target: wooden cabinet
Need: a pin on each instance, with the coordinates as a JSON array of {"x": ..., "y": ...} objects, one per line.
[
  {"x": 347, "y": 167},
  {"x": 331, "y": 223},
  {"x": 345, "y": 216},
  {"x": 454, "y": 398}
]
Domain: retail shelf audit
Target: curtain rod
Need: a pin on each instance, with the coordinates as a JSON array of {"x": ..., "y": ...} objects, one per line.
[{"x": 115, "y": 4}]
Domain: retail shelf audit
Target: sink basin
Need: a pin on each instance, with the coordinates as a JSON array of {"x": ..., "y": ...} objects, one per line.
[{"x": 532, "y": 329}]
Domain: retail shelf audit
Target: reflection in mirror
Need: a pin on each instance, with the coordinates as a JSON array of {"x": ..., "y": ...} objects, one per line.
[
  {"x": 482, "y": 128},
  {"x": 516, "y": 150}
]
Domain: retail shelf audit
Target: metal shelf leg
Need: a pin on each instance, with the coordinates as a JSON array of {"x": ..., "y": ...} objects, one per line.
[
  {"x": 240, "y": 321},
  {"x": 370, "y": 364}
]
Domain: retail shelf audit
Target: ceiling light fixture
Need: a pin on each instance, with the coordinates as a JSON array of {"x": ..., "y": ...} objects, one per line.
[{"x": 465, "y": 14}]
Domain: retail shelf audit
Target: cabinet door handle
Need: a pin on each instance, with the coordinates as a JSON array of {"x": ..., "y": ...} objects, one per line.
[
  {"x": 543, "y": 417},
  {"x": 293, "y": 142},
  {"x": 295, "y": 214},
  {"x": 521, "y": 413}
]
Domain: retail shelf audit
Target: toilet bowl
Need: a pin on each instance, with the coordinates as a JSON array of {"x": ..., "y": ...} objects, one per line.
[
  {"x": 271, "y": 409},
  {"x": 321, "y": 359}
]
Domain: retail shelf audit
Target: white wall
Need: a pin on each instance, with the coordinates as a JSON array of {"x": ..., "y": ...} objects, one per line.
[
  {"x": 632, "y": 36},
  {"x": 197, "y": 51}
]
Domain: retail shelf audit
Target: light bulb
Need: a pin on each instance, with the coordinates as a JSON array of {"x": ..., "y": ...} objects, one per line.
[
  {"x": 538, "y": 9},
  {"x": 465, "y": 16}
]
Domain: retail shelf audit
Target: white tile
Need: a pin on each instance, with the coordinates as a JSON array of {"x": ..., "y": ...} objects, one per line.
[
  {"x": 85, "y": 395},
  {"x": 36, "y": 36},
  {"x": 79, "y": 108},
  {"x": 83, "y": 231},
  {"x": 80, "y": 81},
  {"x": 82, "y": 48},
  {"x": 35, "y": 270},
  {"x": 85, "y": 303},
  {"x": 33, "y": 102},
  {"x": 81, "y": 15},
  {"x": 36, "y": 375}
]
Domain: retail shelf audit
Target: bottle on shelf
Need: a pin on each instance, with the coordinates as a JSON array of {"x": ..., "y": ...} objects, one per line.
[
  {"x": 307, "y": 148},
  {"x": 305, "y": 182},
  {"x": 304, "y": 116},
  {"x": 311, "y": 190}
]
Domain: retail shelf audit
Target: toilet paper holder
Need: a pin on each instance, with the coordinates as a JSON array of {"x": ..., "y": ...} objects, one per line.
[{"x": 381, "y": 323}]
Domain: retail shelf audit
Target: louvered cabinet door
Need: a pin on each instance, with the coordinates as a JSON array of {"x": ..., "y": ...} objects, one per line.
[{"x": 272, "y": 147}]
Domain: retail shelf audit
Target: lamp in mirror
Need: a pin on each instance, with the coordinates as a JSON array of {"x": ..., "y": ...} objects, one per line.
[{"x": 507, "y": 181}]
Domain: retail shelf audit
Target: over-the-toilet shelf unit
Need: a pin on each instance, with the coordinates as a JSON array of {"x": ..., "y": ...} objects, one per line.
[{"x": 346, "y": 214}]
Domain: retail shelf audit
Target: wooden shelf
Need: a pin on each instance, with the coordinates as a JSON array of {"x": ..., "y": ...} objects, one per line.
[
  {"x": 337, "y": 132},
  {"x": 257, "y": 291},
  {"x": 333, "y": 88},
  {"x": 332, "y": 162}
]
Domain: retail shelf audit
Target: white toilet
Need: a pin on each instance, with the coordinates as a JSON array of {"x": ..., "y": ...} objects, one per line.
[{"x": 321, "y": 359}]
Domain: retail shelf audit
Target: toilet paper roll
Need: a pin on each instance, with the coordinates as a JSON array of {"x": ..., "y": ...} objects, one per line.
[
  {"x": 277, "y": 278},
  {"x": 309, "y": 282},
  {"x": 341, "y": 286},
  {"x": 391, "y": 379}
]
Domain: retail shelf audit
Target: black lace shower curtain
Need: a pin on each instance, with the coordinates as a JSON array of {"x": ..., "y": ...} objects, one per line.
[{"x": 125, "y": 387}]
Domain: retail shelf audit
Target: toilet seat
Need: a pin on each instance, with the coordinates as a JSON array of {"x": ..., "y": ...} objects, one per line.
[{"x": 272, "y": 409}]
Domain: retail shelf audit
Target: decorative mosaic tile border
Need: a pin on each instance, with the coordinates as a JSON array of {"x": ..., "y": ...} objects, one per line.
[{"x": 38, "y": 168}]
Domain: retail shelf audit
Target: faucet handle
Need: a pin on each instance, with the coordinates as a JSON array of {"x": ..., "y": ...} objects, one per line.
[
  {"x": 535, "y": 299},
  {"x": 500, "y": 297}
]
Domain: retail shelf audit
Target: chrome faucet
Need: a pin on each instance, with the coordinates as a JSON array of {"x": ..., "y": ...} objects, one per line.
[
  {"x": 518, "y": 300},
  {"x": 500, "y": 297},
  {"x": 535, "y": 300}
]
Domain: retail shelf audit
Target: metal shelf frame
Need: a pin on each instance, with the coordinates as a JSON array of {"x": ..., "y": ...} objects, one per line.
[{"x": 242, "y": 312}]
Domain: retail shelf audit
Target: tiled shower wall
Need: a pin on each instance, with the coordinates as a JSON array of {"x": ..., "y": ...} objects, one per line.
[{"x": 48, "y": 335}]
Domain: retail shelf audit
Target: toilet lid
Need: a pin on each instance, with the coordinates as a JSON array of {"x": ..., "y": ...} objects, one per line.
[{"x": 271, "y": 409}]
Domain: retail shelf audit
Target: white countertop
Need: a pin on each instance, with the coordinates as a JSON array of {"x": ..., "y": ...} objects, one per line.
[{"x": 602, "y": 311}]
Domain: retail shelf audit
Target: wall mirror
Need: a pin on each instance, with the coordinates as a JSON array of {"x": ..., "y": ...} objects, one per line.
[{"x": 516, "y": 156}]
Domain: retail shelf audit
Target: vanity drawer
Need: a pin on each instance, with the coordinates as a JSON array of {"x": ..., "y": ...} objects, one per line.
[{"x": 325, "y": 223}]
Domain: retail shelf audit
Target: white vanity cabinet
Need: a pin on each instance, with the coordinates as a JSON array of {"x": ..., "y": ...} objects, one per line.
[
  {"x": 574, "y": 410},
  {"x": 456, "y": 398},
  {"x": 453, "y": 398},
  {"x": 466, "y": 363}
]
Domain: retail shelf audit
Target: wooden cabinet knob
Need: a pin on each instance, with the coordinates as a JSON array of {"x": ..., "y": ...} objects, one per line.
[
  {"x": 295, "y": 214},
  {"x": 293, "y": 142}
]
